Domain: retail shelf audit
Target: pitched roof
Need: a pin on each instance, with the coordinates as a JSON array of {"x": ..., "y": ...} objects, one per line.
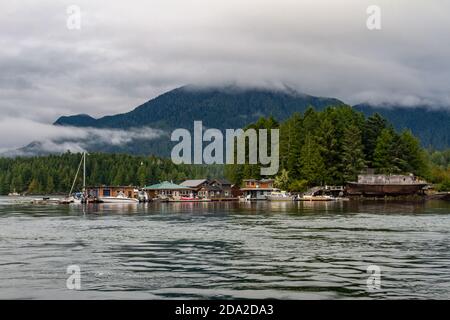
[
  {"x": 262, "y": 180},
  {"x": 210, "y": 188},
  {"x": 165, "y": 185},
  {"x": 193, "y": 183},
  {"x": 222, "y": 181}
]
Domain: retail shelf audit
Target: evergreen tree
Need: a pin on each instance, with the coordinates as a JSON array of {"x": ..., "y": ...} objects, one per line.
[
  {"x": 311, "y": 162},
  {"x": 298, "y": 185},
  {"x": 2, "y": 187},
  {"x": 353, "y": 155},
  {"x": 294, "y": 144},
  {"x": 384, "y": 156},
  {"x": 33, "y": 187},
  {"x": 330, "y": 150},
  {"x": 282, "y": 180},
  {"x": 50, "y": 188},
  {"x": 413, "y": 158},
  {"x": 373, "y": 127}
]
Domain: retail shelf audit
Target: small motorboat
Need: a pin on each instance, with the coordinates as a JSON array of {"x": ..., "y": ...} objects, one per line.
[
  {"x": 317, "y": 198},
  {"x": 120, "y": 198},
  {"x": 14, "y": 194},
  {"x": 188, "y": 198},
  {"x": 143, "y": 196},
  {"x": 280, "y": 196},
  {"x": 77, "y": 198},
  {"x": 46, "y": 200}
]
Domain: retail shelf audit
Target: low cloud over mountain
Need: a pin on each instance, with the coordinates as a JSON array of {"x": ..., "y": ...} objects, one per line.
[
  {"x": 127, "y": 52},
  {"x": 55, "y": 139}
]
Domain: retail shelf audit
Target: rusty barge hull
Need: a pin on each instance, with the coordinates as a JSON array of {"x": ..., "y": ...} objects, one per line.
[{"x": 378, "y": 190}]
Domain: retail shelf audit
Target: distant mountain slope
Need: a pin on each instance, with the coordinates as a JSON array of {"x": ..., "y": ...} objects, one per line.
[
  {"x": 221, "y": 108},
  {"x": 79, "y": 120},
  {"x": 431, "y": 126},
  {"x": 228, "y": 107}
]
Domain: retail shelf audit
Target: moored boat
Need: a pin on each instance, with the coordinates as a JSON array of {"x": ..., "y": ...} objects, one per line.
[
  {"x": 385, "y": 185},
  {"x": 280, "y": 196},
  {"x": 120, "y": 198},
  {"x": 188, "y": 199},
  {"x": 310, "y": 197},
  {"x": 46, "y": 200},
  {"x": 78, "y": 197}
]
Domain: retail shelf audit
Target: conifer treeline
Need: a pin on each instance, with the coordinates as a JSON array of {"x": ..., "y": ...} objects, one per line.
[
  {"x": 55, "y": 173},
  {"x": 326, "y": 147},
  {"x": 332, "y": 146}
]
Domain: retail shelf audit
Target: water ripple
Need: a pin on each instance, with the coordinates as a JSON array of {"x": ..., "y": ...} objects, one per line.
[{"x": 226, "y": 250}]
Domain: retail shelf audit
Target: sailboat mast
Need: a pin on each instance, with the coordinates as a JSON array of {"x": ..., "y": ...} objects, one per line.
[{"x": 84, "y": 172}]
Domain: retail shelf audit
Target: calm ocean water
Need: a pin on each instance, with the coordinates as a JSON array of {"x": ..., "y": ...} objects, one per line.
[{"x": 226, "y": 250}]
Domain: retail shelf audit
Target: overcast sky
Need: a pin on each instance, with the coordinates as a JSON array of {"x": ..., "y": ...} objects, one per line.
[{"x": 128, "y": 52}]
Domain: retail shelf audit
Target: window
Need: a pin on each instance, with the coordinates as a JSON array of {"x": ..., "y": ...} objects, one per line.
[{"x": 106, "y": 192}]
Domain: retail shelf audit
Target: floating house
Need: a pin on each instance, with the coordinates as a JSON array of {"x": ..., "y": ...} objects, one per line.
[
  {"x": 209, "y": 189},
  {"x": 168, "y": 189},
  {"x": 224, "y": 187},
  {"x": 196, "y": 185},
  {"x": 112, "y": 191},
  {"x": 257, "y": 189},
  {"x": 385, "y": 185},
  {"x": 209, "y": 192}
]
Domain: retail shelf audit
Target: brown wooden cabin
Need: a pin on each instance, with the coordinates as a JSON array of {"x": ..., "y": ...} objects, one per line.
[
  {"x": 258, "y": 184},
  {"x": 112, "y": 191},
  {"x": 210, "y": 189},
  {"x": 224, "y": 187},
  {"x": 257, "y": 189},
  {"x": 196, "y": 184}
]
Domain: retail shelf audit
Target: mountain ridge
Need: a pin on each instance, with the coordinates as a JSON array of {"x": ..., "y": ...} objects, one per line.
[
  {"x": 234, "y": 107},
  {"x": 432, "y": 126},
  {"x": 248, "y": 104}
]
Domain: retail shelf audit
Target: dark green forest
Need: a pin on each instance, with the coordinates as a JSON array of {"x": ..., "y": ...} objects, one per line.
[
  {"x": 180, "y": 107},
  {"x": 55, "y": 173},
  {"x": 316, "y": 147},
  {"x": 332, "y": 146}
]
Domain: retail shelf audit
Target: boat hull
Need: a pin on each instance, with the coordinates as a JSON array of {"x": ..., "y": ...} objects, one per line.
[
  {"x": 117, "y": 200},
  {"x": 275, "y": 198},
  {"x": 383, "y": 189},
  {"x": 317, "y": 198}
]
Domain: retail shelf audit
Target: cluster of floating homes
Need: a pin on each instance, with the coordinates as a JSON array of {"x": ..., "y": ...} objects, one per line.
[
  {"x": 189, "y": 190},
  {"x": 201, "y": 190}
]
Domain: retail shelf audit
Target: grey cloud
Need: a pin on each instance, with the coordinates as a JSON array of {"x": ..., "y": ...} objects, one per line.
[
  {"x": 51, "y": 138},
  {"x": 128, "y": 52}
]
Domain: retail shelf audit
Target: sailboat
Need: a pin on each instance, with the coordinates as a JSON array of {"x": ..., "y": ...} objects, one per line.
[{"x": 78, "y": 197}]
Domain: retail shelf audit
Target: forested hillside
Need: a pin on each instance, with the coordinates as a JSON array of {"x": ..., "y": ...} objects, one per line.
[
  {"x": 332, "y": 146},
  {"x": 234, "y": 107},
  {"x": 55, "y": 173},
  {"x": 431, "y": 126},
  {"x": 222, "y": 108}
]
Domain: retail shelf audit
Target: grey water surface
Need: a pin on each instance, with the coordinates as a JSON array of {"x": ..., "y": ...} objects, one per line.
[{"x": 285, "y": 250}]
